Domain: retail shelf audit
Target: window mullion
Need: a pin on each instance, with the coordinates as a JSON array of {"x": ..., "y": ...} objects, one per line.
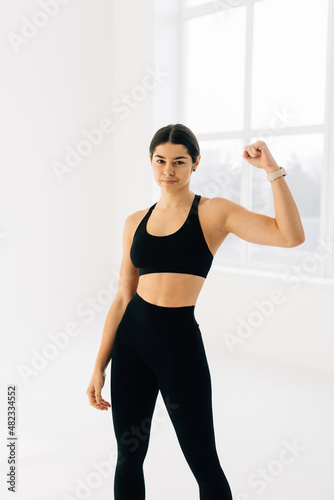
[
  {"x": 182, "y": 63},
  {"x": 246, "y": 180},
  {"x": 327, "y": 185}
]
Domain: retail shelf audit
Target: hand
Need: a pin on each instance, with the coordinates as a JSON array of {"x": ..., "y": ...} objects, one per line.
[
  {"x": 258, "y": 155},
  {"x": 94, "y": 391}
]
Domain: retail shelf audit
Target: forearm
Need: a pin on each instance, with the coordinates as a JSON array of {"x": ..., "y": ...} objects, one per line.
[
  {"x": 286, "y": 212},
  {"x": 112, "y": 321}
]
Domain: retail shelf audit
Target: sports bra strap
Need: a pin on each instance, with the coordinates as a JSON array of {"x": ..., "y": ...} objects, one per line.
[{"x": 173, "y": 253}]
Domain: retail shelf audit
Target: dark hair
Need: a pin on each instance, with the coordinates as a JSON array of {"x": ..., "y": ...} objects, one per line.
[{"x": 176, "y": 134}]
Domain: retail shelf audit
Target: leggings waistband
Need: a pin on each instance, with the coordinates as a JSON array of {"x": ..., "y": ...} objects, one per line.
[{"x": 140, "y": 307}]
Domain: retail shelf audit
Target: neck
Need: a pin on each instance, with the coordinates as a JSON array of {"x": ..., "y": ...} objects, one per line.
[{"x": 174, "y": 201}]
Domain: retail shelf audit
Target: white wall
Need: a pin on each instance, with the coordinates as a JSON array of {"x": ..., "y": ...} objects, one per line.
[
  {"x": 60, "y": 234},
  {"x": 268, "y": 320},
  {"x": 134, "y": 86},
  {"x": 153, "y": 45}
]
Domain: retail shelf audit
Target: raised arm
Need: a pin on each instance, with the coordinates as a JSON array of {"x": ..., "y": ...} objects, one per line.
[{"x": 283, "y": 230}]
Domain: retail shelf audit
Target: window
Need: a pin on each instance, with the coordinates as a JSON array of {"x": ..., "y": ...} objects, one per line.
[{"x": 262, "y": 69}]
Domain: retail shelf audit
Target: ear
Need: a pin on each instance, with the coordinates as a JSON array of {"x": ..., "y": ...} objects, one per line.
[{"x": 197, "y": 161}]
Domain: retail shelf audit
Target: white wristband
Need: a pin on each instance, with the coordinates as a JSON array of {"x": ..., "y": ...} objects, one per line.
[{"x": 274, "y": 175}]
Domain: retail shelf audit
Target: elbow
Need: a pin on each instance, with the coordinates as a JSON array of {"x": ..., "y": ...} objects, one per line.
[{"x": 296, "y": 241}]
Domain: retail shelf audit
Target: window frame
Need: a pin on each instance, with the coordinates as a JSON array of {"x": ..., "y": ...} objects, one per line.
[{"x": 168, "y": 108}]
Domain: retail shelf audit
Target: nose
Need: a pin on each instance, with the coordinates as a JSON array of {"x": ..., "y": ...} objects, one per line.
[{"x": 169, "y": 168}]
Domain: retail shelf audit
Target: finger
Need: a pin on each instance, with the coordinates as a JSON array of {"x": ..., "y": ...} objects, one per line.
[
  {"x": 98, "y": 407},
  {"x": 93, "y": 403},
  {"x": 259, "y": 144},
  {"x": 255, "y": 151},
  {"x": 92, "y": 399},
  {"x": 90, "y": 395},
  {"x": 103, "y": 404},
  {"x": 98, "y": 397},
  {"x": 250, "y": 152}
]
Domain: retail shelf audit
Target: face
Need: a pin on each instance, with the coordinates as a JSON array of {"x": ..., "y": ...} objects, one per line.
[{"x": 172, "y": 162}]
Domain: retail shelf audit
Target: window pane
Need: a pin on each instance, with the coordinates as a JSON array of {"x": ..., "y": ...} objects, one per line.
[
  {"x": 302, "y": 157},
  {"x": 194, "y": 3},
  {"x": 214, "y": 74},
  {"x": 219, "y": 174},
  {"x": 289, "y": 62}
]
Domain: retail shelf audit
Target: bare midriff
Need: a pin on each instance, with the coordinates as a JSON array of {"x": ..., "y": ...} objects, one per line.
[{"x": 170, "y": 289}]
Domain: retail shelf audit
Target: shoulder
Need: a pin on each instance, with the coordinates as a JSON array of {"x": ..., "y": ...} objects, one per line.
[
  {"x": 133, "y": 219},
  {"x": 215, "y": 209},
  {"x": 212, "y": 203},
  {"x": 137, "y": 215}
]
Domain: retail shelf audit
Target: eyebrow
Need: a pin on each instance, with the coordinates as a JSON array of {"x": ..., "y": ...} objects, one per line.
[{"x": 177, "y": 158}]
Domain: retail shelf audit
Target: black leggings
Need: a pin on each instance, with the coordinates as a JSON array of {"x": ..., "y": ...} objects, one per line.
[{"x": 159, "y": 347}]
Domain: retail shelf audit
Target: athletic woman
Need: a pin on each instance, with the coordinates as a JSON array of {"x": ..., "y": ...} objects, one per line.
[{"x": 151, "y": 333}]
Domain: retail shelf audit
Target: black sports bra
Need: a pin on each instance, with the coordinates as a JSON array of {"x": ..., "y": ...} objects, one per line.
[{"x": 184, "y": 251}]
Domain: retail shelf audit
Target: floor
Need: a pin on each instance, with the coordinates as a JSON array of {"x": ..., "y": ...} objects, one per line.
[{"x": 273, "y": 425}]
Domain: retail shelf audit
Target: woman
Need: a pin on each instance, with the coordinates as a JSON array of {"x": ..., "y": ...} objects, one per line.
[{"x": 151, "y": 332}]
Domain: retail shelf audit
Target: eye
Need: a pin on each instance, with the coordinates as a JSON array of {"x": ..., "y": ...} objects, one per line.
[{"x": 178, "y": 161}]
